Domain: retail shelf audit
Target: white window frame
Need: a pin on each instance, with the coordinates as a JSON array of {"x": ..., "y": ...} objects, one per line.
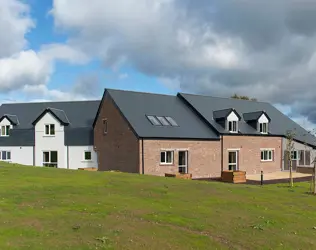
[
  {"x": 297, "y": 155},
  {"x": 84, "y": 155},
  {"x": 50, "y": 129},
  {"x": 166, "y": 152},
  {"x": 270, "y": 152},
  {"x": 237, "y": 159},
  {"x": 232, "y": 123},
  {"x": 7, "y": 152},
  {"x": 266, "y": 127},
  {"x": 50, "y": 159},
  {"x": 6, "y": 130}
]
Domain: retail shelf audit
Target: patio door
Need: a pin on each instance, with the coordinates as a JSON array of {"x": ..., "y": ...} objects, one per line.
[
  {"x": 50, "y": 159},
  {"x": 183, "y": 162},
  {"x": 233, "y": 160}
]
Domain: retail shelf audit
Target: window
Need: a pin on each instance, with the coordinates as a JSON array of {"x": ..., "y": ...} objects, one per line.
[
  {"x": 50, "y": 129},
  {"x": 294, "y": 155},
  {"x": 166, "y": 157},
  {"x": 304, "y": 158},
  {"x": 263, "y": 128},
  {"x": 153, "y": 120},
  {"x": 5, "y": 155},
  {"x": 87, "y": 156},
  {"x": 50, "y": 159},
  {"x": 171, "y": 121},
  {"x": 5, "y": 130},
  {"x": 105, "y": 126},
  {"x": 163, "y": 120},
  {"x": 233, "y": 160},
  {"x": 267, "y": 155},
  {"x": 232, "y": 126}
]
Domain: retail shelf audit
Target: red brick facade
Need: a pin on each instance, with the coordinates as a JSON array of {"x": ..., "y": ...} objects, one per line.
[
  {"x": 250, "y": 154},
  {"x": 118, "y": 148},
  {"x": 204, "y": 157}
]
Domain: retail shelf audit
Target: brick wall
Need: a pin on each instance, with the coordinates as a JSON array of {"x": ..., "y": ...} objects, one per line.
[
  {"x": 250, "y": 154},
  {"x": 204, "y": 157},
  {"x": 119, "y": 148}
]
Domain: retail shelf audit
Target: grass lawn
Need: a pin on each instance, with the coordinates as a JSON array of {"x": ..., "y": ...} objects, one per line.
[{"x": 42, "y": 208}]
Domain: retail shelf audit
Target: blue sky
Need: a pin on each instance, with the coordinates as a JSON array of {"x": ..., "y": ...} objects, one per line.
[
  {"x": 73, "y": 49},
  {"x": 65, "y": 75}
]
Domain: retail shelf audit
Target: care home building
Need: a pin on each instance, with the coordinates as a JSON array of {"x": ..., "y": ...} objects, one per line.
[
  {"x": 157, "y": 134},
  {"x": 55, "y": 134}
]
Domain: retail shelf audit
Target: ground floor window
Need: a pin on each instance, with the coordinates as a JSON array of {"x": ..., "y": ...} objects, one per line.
[
  {"x": 166, "y": 157},
  {"x": 266, "y": 155},
  {"x": 233, "y": 160},
  {"x": 294, "y": 155},
  {"x": 5, "y": 155},
  {"x": 304, "y": 158},
  {"x": 183, "y": 162},
  {"x": 50, "y": 159},
  {"x": 87, "y": 156}
]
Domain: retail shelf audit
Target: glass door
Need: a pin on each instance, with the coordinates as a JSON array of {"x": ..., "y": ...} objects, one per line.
[
  {"x": 233, "y": 160},
  {"x": 183, "y": 162}
]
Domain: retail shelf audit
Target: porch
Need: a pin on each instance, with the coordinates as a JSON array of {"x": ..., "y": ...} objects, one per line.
[{"x": 278, "y": 177}]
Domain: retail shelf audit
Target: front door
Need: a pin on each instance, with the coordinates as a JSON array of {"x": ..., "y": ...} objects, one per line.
[
  {"x": 233, "y": 160},
  {"x": 183, "y": 162}
]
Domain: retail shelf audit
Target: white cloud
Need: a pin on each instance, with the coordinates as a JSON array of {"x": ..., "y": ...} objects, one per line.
[
  {"x": 15, "y": 22},
  {"x": 265, "y": 49},
  {"x": 123, "y": 76}
]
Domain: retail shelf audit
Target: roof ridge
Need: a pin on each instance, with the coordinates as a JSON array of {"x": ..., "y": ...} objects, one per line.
[
  {"x": 45, "y": 102},
  {"x": 219, "y": 97},
  {"x": 138, "y": 92}
]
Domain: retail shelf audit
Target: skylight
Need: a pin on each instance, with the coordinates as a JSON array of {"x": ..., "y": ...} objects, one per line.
[
  {"x": 163, "y": 121},
  {"x": 153, "y": 120},
  {"x": 171, "y": 121}
]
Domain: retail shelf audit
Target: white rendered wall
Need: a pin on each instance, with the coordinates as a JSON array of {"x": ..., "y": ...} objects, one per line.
[
  {"x": 76, "y": 157},
  {"x": 232, "y": 117},
  {"x": 263, "y": 119},
  {"x": 49, "y": 143},
  {"x": 20, "y": 155},
  {"x": 5, "y": 122}
]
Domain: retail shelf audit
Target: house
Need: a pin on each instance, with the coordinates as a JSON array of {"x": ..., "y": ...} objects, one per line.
[
  {"x": 202, "y": 135},
  {"x": 55, "y": 134}
]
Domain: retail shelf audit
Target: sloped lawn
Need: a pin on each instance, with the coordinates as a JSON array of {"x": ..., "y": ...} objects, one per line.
[{"x": 42, "y": 208}]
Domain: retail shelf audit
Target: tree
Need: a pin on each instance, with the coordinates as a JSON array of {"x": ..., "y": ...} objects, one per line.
[
  {"x": 243, "y": 97},
  {"x": 289, "y": 153}
]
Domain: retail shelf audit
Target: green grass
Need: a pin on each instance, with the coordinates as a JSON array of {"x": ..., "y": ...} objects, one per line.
[{"x": 42, "y": 208}]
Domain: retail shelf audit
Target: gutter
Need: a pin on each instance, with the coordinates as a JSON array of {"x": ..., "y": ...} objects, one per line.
[{"x": 143, "y": 164}]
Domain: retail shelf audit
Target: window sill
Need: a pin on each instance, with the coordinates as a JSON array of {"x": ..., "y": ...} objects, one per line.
[
  {"x": 266, "y": 160},
  {"x": 87, "y": 161},
  {"x": 4, "y": 135},
  {"x": 49, "y": 135},
  {"x": 166, "y": 164}
]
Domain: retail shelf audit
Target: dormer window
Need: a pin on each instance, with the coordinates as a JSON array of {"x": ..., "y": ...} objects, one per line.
[
  {"x": 233, "y": 126},
  {"x": 5, "y": 130},
  {"x": 259, "y": 120},
  {"x": 228, "y": 119},
  {"x": 263, "y": 127}
]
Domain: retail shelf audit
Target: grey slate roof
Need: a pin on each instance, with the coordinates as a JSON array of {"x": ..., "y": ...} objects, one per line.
[
  {"x": 222, "y": 114},
  {"x": 253, "y": 116},
  {"x": 135, "y": 106},
  {"x": 79, "y": 114},
  {"x": 12, "y": 118},
  {"x": 59, "y": 114},
  {"x": 279, "y": 124}
]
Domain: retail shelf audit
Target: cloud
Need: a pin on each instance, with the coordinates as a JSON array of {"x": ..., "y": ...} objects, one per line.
[
  {"x": 15, "y": 22},
  {"x": 123, "y": 76},
  {"x": 265, "y": 49}
]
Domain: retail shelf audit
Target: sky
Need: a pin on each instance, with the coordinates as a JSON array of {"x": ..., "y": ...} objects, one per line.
[{"x": 73, "y": 49}]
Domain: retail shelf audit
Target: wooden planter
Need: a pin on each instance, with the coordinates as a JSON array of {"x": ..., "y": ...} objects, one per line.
[
  {"x": 88, "y": 169},
  {"x": 234, "y": 176},
  {"x": 180, "y": 176}
]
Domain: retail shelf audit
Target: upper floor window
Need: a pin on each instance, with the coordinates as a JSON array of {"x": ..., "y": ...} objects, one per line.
[
  {"x": 50, "y": 129},
  {"x": 5, "y": 130},
  {"x": 105, "y": 126},
  {"x": 233, "y": 126},
  {"x": 263, "y": 128}
]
